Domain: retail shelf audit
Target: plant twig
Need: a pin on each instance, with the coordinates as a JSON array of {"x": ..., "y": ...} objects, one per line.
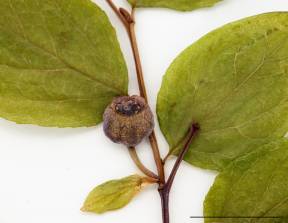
[
  {"x": 118, "y": 13},
  {"x": 140, "y": 165},
  {"x": 157, "y": 158},
  {"x": 142, "y": 89},
  {"x": 128, "y": 20},
  {"x": 139, "y": 70},
  {"x": 165, "y": 191}
]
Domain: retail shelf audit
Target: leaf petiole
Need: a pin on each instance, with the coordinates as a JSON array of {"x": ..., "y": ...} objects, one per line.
[{"x": 165, "y": 190}]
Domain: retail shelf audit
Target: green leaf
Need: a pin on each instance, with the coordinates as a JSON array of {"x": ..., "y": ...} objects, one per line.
[
  {"x": 60, "y": 62},
  {"x": 253, "y": 186},
  {"x": 181, "y": 5},
  {"x": 234, "y": 83},
  {"x": 113, "y": 194}
]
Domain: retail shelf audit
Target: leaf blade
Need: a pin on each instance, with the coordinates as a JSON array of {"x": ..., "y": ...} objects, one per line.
[
  {"x": 181, "y": 5},
  {"x": 113, "y": 195},
  {"x": 237, "y": 112},
  {"x": 60, "y": 61},
  {"x": 252, "y": 187}
]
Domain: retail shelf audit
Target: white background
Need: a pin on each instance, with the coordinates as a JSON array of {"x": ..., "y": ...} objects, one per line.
[{"x": 46, "y": 173}]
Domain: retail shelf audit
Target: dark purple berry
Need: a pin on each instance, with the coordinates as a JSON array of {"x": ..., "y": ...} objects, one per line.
[{"x": 127, "y": 120}]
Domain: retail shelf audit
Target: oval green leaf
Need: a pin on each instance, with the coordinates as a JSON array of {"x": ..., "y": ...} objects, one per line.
[
  {"x": 60, "y": 62},
  {"x": 181, "y": 5},
  {"x": 234, "y": 84},
  {"x": 113, "y": 195},
  {"x": 254, "y": 188}
]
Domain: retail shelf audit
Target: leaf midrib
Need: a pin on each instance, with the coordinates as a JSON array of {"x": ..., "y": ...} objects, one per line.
[{"x": 69, "y": 66}]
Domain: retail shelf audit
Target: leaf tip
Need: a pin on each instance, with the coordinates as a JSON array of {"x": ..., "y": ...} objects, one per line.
[{"x": 83, "y": 209}]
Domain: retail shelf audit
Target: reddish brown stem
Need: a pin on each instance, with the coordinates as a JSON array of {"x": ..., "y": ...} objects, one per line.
[
  {"x": 165, "y": 191},
  {"x": 143, "y": 93},
  {"x": 164, "y": 195},
  {"x": 118, "y": 13},
  {"x": 192, "y": 133},
  {"x": 128, "y": 21},
  {"x": 139, "y": 70}
]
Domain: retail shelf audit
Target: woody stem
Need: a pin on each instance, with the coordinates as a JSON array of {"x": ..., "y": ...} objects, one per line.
[
  {"x": 165, "y": 190},
  {"x": 128, "y": 20}
]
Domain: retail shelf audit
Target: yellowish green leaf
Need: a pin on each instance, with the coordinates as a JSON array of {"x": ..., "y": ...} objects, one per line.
[
  {"x": 60, "y": 62},
  {"x": 113, "y": 194},
  {"x": 253, "y": 189},
  {"x": 181, "y": 5},
  {"x": 234, "y": 83}
]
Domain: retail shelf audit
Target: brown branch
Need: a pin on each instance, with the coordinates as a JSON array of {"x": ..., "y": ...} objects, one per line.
[
  {"x": 165, "y": 205},
  {"x": 128, "y": 20},
  {"x": 137, "y": 59},
  {"x": 140, "y": 165},
  {"x": 118, "y": 13},
  {"x": 157, "y": 158},
  {"x": 142, "y": 89},
  {"x": 165, "y": 191}
]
